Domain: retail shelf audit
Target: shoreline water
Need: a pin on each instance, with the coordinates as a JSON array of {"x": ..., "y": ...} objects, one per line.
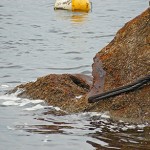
[{"x": 32, "y": 36}]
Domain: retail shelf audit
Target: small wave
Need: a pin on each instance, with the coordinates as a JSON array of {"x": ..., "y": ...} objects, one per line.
[
  {"x": 77, "y": 58},
  {"x": 6, "y": 76},
  {"x": 72, "y": 68},
  {"x": 103, "y": 36},
  {"x": 11, "y": 67},
  {"x": 72, "y": 52},
  {"x": 88, "y": 32},
  {"x": 9, "y": 103},
  {"x": 35, "y": 26},
  {"x": 13, "y": 82},
  {"x": 111, "y": 10},
  {"x": 102, "y": 120},
  {"x": 96, "y": 115},
  {"x": 36, "y": 107},
  {"x": 9, "y": 97},
  {"x": 36, "y": 40},
  {"x": 13, "y": 100},
  {"x": 4, "y": 86},
  {"x": 39, "y": 106},
  {"x": 87, "y": 72},
  {"x": 27, "y": 104},
  {"x": 10, "y": 128},
  {"x": 87, "y": 116}
]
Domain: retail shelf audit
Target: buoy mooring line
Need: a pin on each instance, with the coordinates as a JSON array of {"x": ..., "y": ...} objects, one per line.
[{"x": 124, "y": 89}]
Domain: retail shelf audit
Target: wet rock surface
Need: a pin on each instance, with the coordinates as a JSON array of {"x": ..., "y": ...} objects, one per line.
[
  {"x": 124, "y": 60},
  {"x": 62, "y": 90}
]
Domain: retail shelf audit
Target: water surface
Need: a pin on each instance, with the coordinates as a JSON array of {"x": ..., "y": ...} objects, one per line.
[{"x": 35, "y": 41}]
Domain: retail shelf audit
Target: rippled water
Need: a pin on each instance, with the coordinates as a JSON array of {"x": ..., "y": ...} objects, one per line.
[{"x": 35, "y": 40}]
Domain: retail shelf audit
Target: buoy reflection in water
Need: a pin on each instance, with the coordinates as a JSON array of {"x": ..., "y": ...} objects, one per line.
[{"x": 74, "y": 17}]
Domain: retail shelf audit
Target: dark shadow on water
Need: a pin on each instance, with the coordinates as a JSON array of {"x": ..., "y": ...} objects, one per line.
[
  {"x": 101, "y": 133},
  {"x": 44, "y": 129},
  {"x": 120, "y": 136}
]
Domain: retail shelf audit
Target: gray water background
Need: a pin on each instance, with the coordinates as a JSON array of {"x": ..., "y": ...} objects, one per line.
[{"x": 35, "y": 41}]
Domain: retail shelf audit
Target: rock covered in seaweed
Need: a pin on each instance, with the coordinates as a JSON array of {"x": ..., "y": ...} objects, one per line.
[
  {"x": 126, "y": 59},
  {"x": 62, "y": 90}
]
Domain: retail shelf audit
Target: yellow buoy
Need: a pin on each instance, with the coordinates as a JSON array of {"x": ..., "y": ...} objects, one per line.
[
  {"x": 81, "y": 5},
  {"x": 74, "y": 5}
]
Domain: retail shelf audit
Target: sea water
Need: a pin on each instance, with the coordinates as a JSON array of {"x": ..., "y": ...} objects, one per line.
[{"x": 35, "y": 41}]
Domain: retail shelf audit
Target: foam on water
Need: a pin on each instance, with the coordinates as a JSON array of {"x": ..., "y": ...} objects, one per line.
[
  {"x": 9, "y": 103},
  {"x": 30, "y": 105},
  {"x": 77, "y": 37},
  {"x": 39, "y": 106},
  {"x": 101, "y": 118},
  {"x": 4, "y": 86},
  {"x": 8, "y": 100},
  {"x": 95, "y": 126}
]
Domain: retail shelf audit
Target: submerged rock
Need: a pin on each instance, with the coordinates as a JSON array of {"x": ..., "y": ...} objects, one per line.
[{"x": 124, "y": 60}]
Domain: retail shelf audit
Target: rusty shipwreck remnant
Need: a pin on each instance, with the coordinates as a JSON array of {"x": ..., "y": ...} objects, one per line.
[{"x": 124, "y": 62}]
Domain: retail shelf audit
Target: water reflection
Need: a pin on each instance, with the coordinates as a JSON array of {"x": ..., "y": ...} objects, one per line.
[
  {"x": 120, "y": 135},
  {"x": 78, "y": 18},
  {"x": 119, "y": 140},
  {"x": 74, "y": 17},
  {"x": 44, "y": 129},
  {"x": 64, "y": 42},
  {"x": 98, "y": 130}
]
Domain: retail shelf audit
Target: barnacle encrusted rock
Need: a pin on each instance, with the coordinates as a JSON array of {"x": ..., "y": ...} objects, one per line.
[
  {"x": 126, "y": 59},
  {"x": 62, "y": 90}
]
